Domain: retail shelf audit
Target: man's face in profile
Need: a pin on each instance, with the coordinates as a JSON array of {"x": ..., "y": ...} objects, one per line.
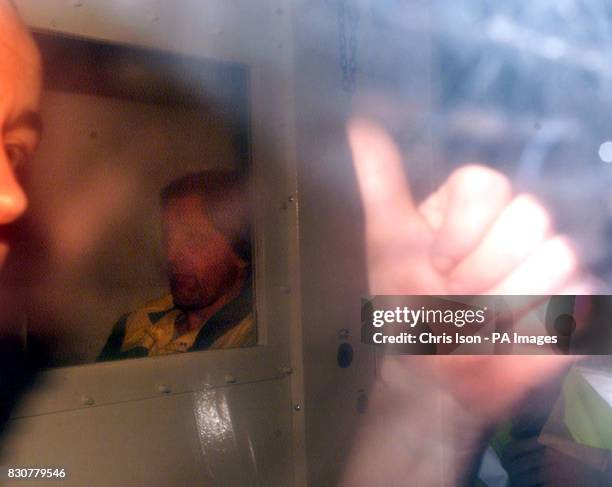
[
  {"x": 202, "y": 265},
  {"x": 20, "y": 80}
]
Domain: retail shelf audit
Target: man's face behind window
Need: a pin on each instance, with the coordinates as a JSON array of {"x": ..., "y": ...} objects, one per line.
[
  {"x": 20, "y": 81},
  {"x": 201, "y": 262}
]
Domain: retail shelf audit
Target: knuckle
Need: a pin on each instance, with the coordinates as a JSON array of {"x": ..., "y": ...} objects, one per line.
[
  {"x": 476, "y": 179},
  {"x": 480, "y": 176},
  {"x": 531, "y": 210}
]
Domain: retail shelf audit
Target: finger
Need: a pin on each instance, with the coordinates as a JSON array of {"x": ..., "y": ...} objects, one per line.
[
  {"x": 548, "y": 270},
  {"x": 385, "y": 193},
  {"x": 473, "y": 197},
  {"x": 518, "y": 230}
]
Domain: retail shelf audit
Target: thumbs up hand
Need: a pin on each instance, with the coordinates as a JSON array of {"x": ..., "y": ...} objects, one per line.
[{"x": 471, "y": 236}]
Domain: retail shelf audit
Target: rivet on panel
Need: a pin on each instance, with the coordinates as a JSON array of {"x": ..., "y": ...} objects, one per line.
[
  {"x": 286, "y": 370},
  {"x": 343, "y": 334},
  {"x": 230, "y": 379},
  {"x": 164, "y": 389},
  {"x": 87, "y": 401},
  {"x": 291, "y": 199},
  {"x": 297, "y": 407}
]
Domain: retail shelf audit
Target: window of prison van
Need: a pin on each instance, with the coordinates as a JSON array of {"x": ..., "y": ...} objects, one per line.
[{"x": 138, "y": 240}]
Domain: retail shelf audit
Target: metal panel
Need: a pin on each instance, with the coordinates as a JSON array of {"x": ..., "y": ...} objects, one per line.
[
  {"x": 334, "y": 276},
  {"x": 69, "y": 388},
  {"x": 229, "y": 436}
]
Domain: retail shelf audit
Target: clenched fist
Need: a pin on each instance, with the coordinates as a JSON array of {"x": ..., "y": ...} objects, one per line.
[{"x": 472, "y": 236}]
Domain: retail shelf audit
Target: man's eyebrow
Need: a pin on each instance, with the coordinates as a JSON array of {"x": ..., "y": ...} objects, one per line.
[{"x": 29, "y": 119}]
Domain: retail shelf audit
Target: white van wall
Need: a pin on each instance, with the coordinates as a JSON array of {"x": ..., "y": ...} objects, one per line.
[{"x": 391, "y": 84}]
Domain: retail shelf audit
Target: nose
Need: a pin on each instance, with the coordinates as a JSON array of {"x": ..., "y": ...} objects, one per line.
[{"x": 13, "y": 200}]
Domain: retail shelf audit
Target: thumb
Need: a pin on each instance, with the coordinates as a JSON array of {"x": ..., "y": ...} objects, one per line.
[{"x": 385, "y": 192}]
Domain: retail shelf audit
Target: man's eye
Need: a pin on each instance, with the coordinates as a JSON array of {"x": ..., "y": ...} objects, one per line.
[{"x": 17, "y": 156}]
